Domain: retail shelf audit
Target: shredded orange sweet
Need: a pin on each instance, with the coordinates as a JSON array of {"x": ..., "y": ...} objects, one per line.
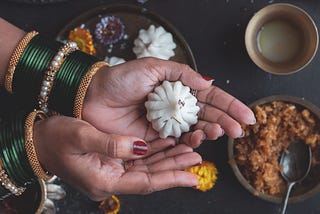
[{"x": 258, "y": 152}]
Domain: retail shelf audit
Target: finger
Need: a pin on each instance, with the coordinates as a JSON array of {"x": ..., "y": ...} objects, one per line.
[
  {"x": 143, "y": 183},
  {"x": 161, "y": 144},
  {"x": 100, "y": 197},
  {"x": 212, "y": 130},
  {"x": 173, "y": 71},
  {"x": 193, "y": 139},
  {"x": 178, "y": 162},
  {"x": 116, "y": 146},
  {"x": 215, "y": 115},
  {"x": 179, "y": 149},
  {"x": 218, "y": 98}
]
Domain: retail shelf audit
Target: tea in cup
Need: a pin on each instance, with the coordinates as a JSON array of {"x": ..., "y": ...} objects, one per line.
[{"x": 281, "y": 38}]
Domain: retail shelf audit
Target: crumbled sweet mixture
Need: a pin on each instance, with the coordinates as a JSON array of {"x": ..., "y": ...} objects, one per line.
[{"x": 258, "y": 153}]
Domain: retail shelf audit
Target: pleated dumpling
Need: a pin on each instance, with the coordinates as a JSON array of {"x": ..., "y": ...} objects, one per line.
[
  {"x": 172, "y": 109},
  {"x": 154, "y": 42},
  {"x": 112, "y": 61}
]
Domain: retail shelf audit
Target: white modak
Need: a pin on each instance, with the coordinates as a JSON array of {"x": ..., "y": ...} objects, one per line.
[
  {"x": 172, "y": 109},
  {"x": 154, "y": 42}
]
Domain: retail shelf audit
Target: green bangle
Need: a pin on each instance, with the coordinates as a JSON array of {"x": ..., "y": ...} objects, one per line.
[
  {"x": 30, "y": 69},
  {"x": 13, "y": 153},
  {"x": 20, "y": 149},
  {"x": 68, "y": 80}
]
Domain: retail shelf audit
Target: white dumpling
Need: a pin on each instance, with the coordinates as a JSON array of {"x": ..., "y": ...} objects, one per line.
[
  {"x": 154, "y": 42},
  {"x": 112, "y": 61},
  {"x": 172, "y": 109}
]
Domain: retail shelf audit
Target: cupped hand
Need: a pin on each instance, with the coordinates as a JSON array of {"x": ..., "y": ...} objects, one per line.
[
  {"x": 115, "y": 101},
  {"x": 101, "y": 164}
]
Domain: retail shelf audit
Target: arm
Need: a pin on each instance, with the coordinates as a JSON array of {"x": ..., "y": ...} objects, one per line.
[
  {"x": 115, "y": 112},
  {"x": 117, "y": 96},
  {"x": 89, "y": 159},
  {"x": 9, "y": 38}
]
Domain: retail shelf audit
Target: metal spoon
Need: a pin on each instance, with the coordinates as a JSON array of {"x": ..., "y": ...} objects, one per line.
[{"x": 295, "y": 162}]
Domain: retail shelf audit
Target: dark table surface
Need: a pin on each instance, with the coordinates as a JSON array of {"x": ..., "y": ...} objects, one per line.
[{"x": 215, "y": 32}]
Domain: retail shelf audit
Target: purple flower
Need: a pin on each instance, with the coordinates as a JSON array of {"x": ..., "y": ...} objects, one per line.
[{"x": 109, "y": 30}]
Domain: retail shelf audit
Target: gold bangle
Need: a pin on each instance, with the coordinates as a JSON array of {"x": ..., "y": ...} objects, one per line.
[
  {"x": 49, "y": 76},
  {"x": 30, "y": 149},
  {"x": 8, "y": 184},
  {"x": 14, "y": 59},
  {"x": 83, "y": 87}
]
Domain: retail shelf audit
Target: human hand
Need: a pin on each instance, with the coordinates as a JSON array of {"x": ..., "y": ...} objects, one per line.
[
  {"x": 115, "y": 101},
  {"x": 101, "y": 164}
]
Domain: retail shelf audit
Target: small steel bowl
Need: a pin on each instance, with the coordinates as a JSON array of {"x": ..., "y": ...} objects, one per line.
[
  {"x": 309, "y": 187},
  {"x": 303, "y": 24}
]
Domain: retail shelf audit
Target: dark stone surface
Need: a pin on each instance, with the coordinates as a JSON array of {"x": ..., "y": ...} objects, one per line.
[{"x": 215, "y": 31}]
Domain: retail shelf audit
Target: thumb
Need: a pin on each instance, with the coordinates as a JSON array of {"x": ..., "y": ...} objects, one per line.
[
  {"x": 118, "y": 146},
  {"x": 173, "y": 71}
]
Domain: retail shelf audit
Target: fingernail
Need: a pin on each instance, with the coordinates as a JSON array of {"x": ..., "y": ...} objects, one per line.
[
  {"x": 242, "y": 134},
  {"x": 253, "y": 121},
  {"x": 140, "y": 148},
  {"x": 221, "y": 132},
  {"x": 198, "y": 164},
  {"x": 203, "y": 137},
  {"x": 207, "y": 78}
]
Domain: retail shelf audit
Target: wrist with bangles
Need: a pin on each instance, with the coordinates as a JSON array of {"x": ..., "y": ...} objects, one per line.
[
  {"x": 44, "y": 75},
  {"x": 19, "y": 164},
  {"x": 49, "y": 75}
]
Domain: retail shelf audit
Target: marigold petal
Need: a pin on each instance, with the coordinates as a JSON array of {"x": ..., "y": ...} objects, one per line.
[
  {"x": 110, "y": 205},
  {"x": 83, "y": 38},
  {"x": 206, "y": 174}
]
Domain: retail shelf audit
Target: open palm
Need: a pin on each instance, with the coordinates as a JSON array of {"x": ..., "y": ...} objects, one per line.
[
  {"x": 115, "y": 101},
  {"x": 100, "y": 164}
]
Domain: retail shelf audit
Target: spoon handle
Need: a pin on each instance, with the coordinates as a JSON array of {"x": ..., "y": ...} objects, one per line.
[{"x": 285, "y": 202}]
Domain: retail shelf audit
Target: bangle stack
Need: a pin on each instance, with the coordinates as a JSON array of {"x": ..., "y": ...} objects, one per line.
[
  {"x": 16, "y": 172},
  {"x": 29, "y": 72},
  {"x": 49, "y": 75},
  {"x": 15, "y": 58},
  {"x": 67, "y": 82},
  {"x": 42, "y": 75},
  {"x": 13, "y": 153}
]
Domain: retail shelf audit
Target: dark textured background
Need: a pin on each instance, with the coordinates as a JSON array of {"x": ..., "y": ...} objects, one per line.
[{"x": 215, "y": 31}]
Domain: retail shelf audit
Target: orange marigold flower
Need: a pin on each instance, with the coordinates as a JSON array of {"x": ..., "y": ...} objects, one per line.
[
  {"x": 207, "y": 175},
  {"x": 83, "y": 38},
  {"x": 110, "y": 205}
]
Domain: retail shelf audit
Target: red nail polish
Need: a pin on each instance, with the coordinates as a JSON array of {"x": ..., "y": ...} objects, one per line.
[
  {"x": 140, "y": 148},
  {"x": 207, "y": 78},
  {"x": 171, "y": 147}
]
